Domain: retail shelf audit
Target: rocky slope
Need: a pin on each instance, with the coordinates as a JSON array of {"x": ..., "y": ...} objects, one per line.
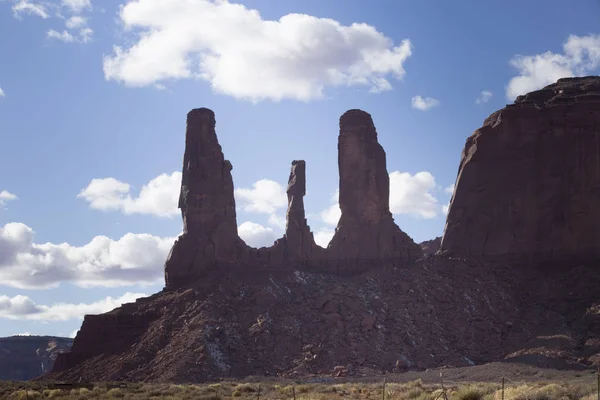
[
  {"x": 374, "y": 301},
  {"x": 26, "y": 357}
]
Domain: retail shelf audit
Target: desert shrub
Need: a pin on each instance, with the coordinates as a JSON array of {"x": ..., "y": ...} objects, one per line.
[
  {"x": 469, "y": 393},
  {"x": 236, "y": 393},
  {"x": 116, "y": 393},
  {"x": 52, "y": 393}
]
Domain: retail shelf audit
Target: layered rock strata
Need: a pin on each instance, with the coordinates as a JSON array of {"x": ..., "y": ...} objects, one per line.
[
  {"x": 528, "y": 184},
  {"x": 366, "y": 233}
]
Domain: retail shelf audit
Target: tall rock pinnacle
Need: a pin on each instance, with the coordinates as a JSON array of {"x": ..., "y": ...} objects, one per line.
[
  {"x": 528, "y": 185},
  {"x": 366, "y": 229},
  {"x": 299, "y": 239},
  {"x": 207, "y": 204}
]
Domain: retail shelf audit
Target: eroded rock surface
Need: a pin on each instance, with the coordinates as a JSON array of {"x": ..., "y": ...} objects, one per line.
[
  {"x": 366, "y": 229},
  {"x": 528, "y": 185},
  {"x": 299, "y": 239},
  {"x": 207, "y": 204},
  {"x": 366, "y": 234}
]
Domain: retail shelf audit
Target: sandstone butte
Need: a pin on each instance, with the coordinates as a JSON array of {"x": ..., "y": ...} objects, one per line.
[{"x": 515, "y": 278}]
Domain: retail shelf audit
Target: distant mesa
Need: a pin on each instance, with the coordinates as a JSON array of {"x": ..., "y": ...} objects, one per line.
[{"x": 366, "y": 233}]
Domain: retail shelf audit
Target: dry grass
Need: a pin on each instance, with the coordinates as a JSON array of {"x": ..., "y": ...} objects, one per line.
[{"x": 578, "y": 389}]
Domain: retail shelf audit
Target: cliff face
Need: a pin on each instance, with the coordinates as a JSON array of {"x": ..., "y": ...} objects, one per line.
[
  {"x": 528, "y": 184},
  {"x": 366, "y": 234},
  {"x": 26, "y": 357}
]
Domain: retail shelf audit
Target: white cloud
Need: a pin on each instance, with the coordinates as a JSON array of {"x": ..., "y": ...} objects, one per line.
[
  {"x": 265, "y": 196},
  {"x": 133, "y": 259},
  {"x": 76, "y": 21},
  {"x": 581, "y": 56},
  {"x": 277, "y": 221},
  {"x": 25, "y": 7},
  {"x": 244, "y": 56},
  {"x": 449, "y": 189},
  {"x": 424, "y": 104},
  {"x": 6, "y": 196},
  {"x": 76, "y": 30},
  {"x": 331, "y": 215},
  {"x": 411, "y": 194},
  {"x": 323, "y": 237},
  {"x": 158, "y": 197},
  {"x": 483, "y": 97},
  {"x": 2, "y": 94},
  {"x": 445, "y": 208},
  {"x": 256, "y": 235},
  {"x": 83, "y": 36},
  {"x": 77, "y": 6},
  {"x": 23, "y": 308},
  {"x": 65, "y": 36}
]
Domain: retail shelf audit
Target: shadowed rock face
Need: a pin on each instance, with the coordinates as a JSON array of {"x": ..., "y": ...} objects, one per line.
[
  {"x": 206, "y": 202},
  {"x": 299, "y": 239},
  {"x": 366, "y": 229},
  {"x": 528, "y": 185},
  {"x": 366, "y": 233}
]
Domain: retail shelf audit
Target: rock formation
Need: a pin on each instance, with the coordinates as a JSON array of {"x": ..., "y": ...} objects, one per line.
[
  {"x": 299, "y": 239},
  {"x": 26, "y": 357},
  {"x": 528, "y": 185},
  {"x": 207, "y": 204},
  {"x": 527, "y": 189},
  {"x": 366, "y": 229},
  {"x": 366, "y": 232}
]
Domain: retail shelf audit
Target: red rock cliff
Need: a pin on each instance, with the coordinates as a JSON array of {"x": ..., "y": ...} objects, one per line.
[{"x": 528, "y": 185}]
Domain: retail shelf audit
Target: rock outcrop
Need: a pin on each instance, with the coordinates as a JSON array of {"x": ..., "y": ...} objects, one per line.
[
  {"x": 207, "y": 204},
  {"x": 366, "y": 229},
  {"x": 299, "y": 239},
  {"x": 528, "y": 185},
  {"x": 366, "y": 233},
  {"x": 26, "y": 357},
  {"x": 527, "y": 190}
]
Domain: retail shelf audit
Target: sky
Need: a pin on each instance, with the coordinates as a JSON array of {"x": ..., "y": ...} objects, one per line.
[{"x": 94, "y": 96}]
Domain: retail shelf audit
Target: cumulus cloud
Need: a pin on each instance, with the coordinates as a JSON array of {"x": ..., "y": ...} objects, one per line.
[
  {"x": 323, "y": 236},
  {"x": 2, "y": 94},
  {"x": 449, "y": 189},
  {"x": 483, "y": 97},
  {"x": 130, "y": 260},
  {"x": 6, "y": 196},
  {"x": 22, "y": 7},
  {"x": 412, "y": 194},
  {"x": 424, "y": 104},
  {"x": 256, "y": 235},
  {"x": 245, "y": 56},
  {"x": 265, "y": 196},
  {"x": 23, "y": 308},
  {"x": 158, "y": 197},
  {"x": 581, "y": 56}
]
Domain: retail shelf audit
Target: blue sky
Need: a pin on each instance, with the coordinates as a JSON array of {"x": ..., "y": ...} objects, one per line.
[{"x": 94, "y": 94}]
